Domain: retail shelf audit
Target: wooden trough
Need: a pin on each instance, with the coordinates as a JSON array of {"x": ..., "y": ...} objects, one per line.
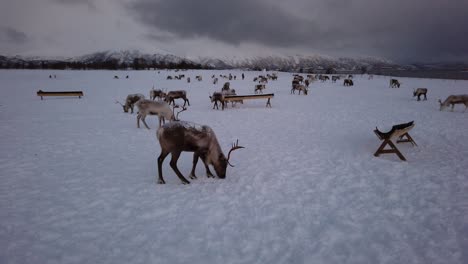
[
  {"x": 59, "y": 93},
  {"x": 234, "y": 98}
]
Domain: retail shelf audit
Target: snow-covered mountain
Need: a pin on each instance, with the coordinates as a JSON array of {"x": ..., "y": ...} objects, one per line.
[
  {"x": 129, "y": 56},
  {"x": 309, "y": 63}
]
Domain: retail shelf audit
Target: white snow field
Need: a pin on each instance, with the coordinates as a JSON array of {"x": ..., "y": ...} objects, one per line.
[{"x": 78, "y": 179}]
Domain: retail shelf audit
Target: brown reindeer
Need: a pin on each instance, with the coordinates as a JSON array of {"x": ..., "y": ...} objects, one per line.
[
  {"x": 172, "y": 95},
  {"x": 300, "y": 88},
  {"x": 179, "y": 136},
  {"x": 420, "y": 91},
  {"x": 157, "y": 94},
  {"x": 348, "y": 82},
  {"x": 453, "y": 100},
  {"x": 394, "y": 83},
  {"x": 259, "y": 88},
  {"x": 130, "y": 102},
  {"x": 217, "y": 97}
]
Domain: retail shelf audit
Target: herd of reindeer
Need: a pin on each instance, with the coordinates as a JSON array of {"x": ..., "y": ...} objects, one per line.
[{"x": 177, "y": 136}]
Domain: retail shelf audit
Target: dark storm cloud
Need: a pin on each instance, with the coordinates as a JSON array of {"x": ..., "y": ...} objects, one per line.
[
  {"x": 14, "y": 36},
  {"x": 232, "y": 22},
  {"x": 399, "y": 29}
]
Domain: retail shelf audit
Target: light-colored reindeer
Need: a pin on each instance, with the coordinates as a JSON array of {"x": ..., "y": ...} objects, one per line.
[
  {"x": 176, "y": 137},
  {"x": 159, "y": 108},
  {"x": 453, "y": 100}
]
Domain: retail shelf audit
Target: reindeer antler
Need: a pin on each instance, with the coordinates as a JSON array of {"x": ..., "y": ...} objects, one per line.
[
  {"x": 234, "y": 147},
  {"x": 183, "y": 109},
  {"x": 117, "y": 102}
]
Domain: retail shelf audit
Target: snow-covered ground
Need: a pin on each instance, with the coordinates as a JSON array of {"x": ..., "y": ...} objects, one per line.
[{"x": 78, "y": 179}]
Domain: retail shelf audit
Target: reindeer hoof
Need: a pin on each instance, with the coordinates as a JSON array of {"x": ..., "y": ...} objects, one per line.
[
  {"x": 161, "y": 182},
  {"x": 184, "y": 183},
  {"x": 192, "y": 176}
]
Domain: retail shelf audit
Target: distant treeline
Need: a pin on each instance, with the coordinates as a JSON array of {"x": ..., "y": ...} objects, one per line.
[{"x": 138, "y": 64}]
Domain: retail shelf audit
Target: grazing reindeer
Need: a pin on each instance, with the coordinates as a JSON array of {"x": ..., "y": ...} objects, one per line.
[
  {"x": 199, "y": 78},
  {"x": 334, "y": 78},
  {"x": 420, "y": 91},
  {"x": 348, "y": 82},
  {"x": 394, "y": 83},
  {"x": 300, "y": 88},
  {"x": 172, "y": 95},
  {"x": 259, "y": 88},
  {"x": 169, "y": 77},
  {"x": 157, "y": 93},
  {"x": 215, "y": 80},
  {"x": 217, "y": 97},
  {"x": 130, "y": 102},
  {"x": 179, "y": 136},
  {"x": 453, "y": 100}
]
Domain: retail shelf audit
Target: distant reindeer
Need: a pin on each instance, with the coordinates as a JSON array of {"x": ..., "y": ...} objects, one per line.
[
  {"x": 116, "y": 77},
  {"x": 420, "y": 91},
  {"x": 226, "y": 86},
  {"x": 215, "y": 80},
  {"x": 348, "y": 82},
  {"x": 130, "y": 102},
  {"x": 172, "y": 95},
  {"x": 179, "y": 136},
  {"x": 199, "y": 78},
  {"x": 300, "y": 88},
  {"x": 335, "y": 78},
  {"x": 231, "y": 92},
  {"x": 157, "y": 94},
  {"x": 169, "y": 78},
  {"x": 453, "y": 100},
  {"x": 217, "y": 97},
  {"x": 394, "y": 83},
  {"x": 259, "y": 88}
]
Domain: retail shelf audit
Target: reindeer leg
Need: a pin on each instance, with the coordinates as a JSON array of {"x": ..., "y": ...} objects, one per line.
[
  {"x": 195, "y": 161},
  {"x": 138, "y": 120},
  {"x": 144, "y": 122},
  {"x": 161, "y": 158},
  {"x": 173, "y": 163},
  {"x": 187, "y": 102}
]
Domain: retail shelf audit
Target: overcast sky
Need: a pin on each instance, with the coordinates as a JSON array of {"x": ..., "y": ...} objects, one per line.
[{"x": 399, "y": 30}]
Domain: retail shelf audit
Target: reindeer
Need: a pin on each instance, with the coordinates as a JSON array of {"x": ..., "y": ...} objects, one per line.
[
  {"x": 169, "y": 77},
  {"x": 159, "y": 108},
  {"x": 157, "y": 93},
  {"x": 348, "y": 82},
  {"x": 300, "y": 88},
  {"x": 172, "y": 95},
  {"x": 215, "y": 80},
  {"x": 259, "y": 88},
  {"x": 335, "y": 78},
  {"x": 231, "y": 92},
  {"x": 130, "y": 102},
  {"x": 179, "y": 136},
  {"x": 420, "y": 91},
  {"x": 217, "y": 97},
  {"x": 453, "y": 100},
  {"x": 394, "y": 83},
  {"x": 199, "y": 78},
  {"x": 226, "y": 86}
]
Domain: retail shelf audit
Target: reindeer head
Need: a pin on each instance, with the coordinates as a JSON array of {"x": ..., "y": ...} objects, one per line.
[
  {"x": 414, "y": 92},
  {"x": 442, "y": 105},
  {"x": 125, "y": 107},
  {"x": 220, "y": 165}
]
